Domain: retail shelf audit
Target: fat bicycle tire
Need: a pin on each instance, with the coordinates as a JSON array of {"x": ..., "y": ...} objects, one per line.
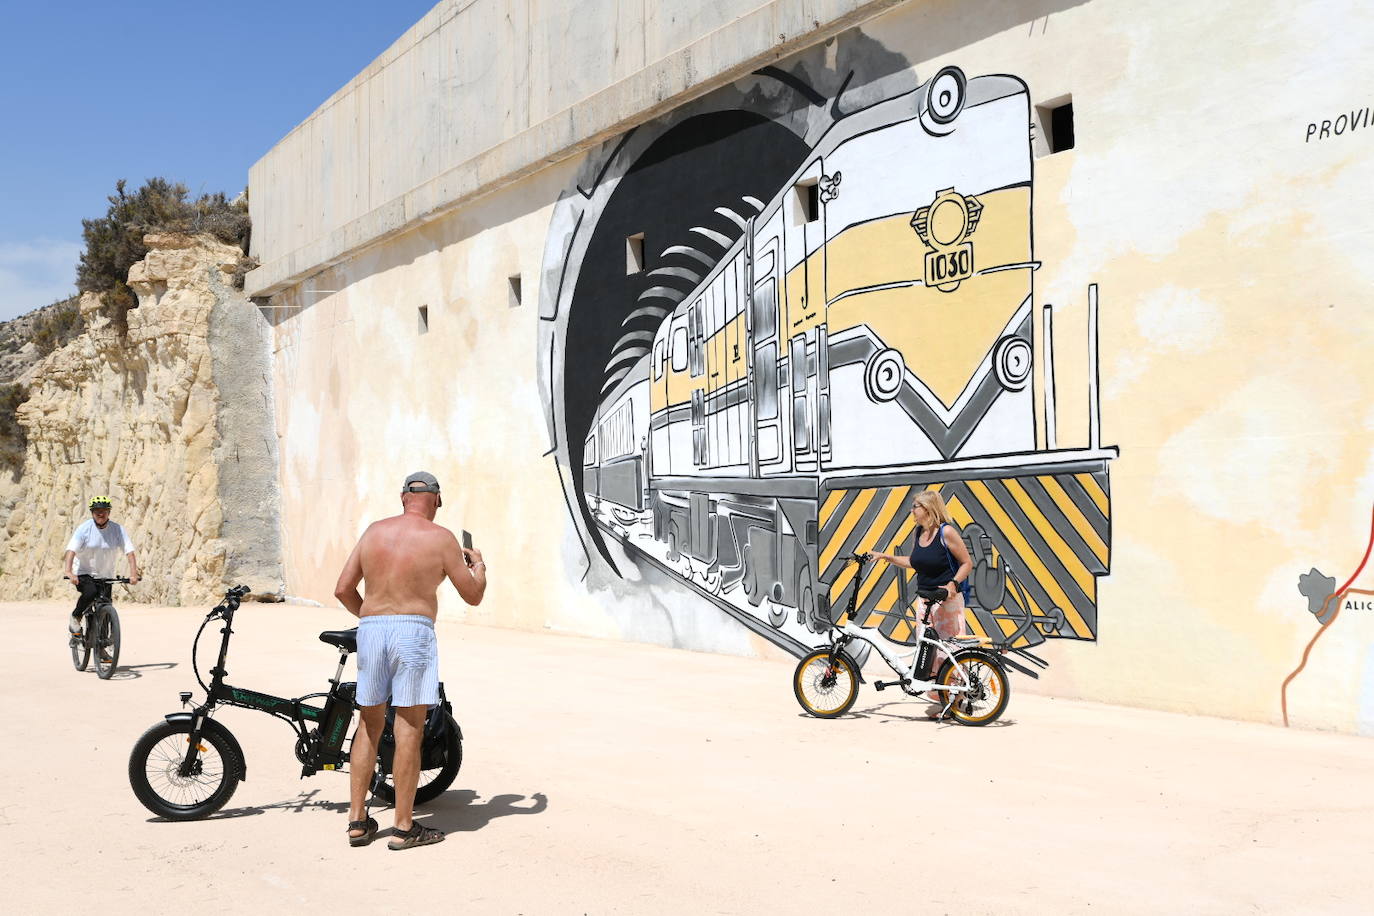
[
  {"x": 826, "y": 689},
  {"x": 81, "y": 647},
  {"x": 106, "y": 641},
  {"x": 154, "y": 761},
  {"x": 991, "y": 688},
  {"x": 434, "y": 781}
]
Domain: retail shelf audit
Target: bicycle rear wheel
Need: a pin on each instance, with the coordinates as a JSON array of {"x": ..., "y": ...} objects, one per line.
[
  {"x": 433, "y": 781},
  {"x": 824, "y": 688},
  {"x": 106, "y": 641},
  {"x": 989, "y": 690}
]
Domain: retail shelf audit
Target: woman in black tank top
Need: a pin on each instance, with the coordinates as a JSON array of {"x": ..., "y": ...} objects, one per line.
[{"x": 940, "y": 558}]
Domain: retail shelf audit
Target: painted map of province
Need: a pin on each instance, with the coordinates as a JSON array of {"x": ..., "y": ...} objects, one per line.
[{"x": 1325, "y": 601}]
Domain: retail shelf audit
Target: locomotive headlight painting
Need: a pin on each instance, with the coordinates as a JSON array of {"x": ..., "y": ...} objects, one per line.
[{"x": 865, "y": 333}]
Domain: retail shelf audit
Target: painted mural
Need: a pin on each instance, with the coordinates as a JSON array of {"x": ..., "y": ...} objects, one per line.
[
  {"x": 776, "y": 316},
  {"x": 1326, "y": 601}
]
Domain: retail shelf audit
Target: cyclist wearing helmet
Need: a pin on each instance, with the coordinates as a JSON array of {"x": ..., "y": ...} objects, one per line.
[{"x": 96, "y": 547}]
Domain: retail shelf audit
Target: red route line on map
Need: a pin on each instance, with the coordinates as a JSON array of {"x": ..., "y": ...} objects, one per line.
[{"x": 1335, "y": 596}]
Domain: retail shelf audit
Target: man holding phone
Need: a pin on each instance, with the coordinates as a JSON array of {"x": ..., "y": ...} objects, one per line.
[{"x": 404, "y": 559}]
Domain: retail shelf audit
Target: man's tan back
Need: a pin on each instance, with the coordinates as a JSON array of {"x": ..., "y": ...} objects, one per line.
[
  {"x": 404, "y": 559},
  {"x": 403, "y": 563}
]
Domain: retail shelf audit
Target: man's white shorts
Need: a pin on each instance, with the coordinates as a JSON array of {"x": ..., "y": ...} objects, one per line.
[{"x": 398, "y": 658}]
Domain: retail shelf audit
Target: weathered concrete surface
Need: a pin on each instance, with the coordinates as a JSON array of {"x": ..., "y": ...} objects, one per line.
[
  {"x": 485, "y": 92},
  {"x": 240, "y": 344},
  {"x": 604, "y": 777}
]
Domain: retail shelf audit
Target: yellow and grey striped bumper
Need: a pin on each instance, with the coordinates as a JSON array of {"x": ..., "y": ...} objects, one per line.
[{"x": 1051, "y": 529}]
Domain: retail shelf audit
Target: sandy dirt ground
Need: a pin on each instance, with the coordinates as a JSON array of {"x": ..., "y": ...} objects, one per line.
[{"x": 602, "y": 777}]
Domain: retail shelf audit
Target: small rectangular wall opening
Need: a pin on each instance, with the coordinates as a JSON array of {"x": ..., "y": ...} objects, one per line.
[
  {"x": 808, "y": 201},
  {"x": 424, "y": 319},
  {"x": 1054, "y": 128},
  {"x": 513, "y": 290},
  {"x": 634, "y": 253}
]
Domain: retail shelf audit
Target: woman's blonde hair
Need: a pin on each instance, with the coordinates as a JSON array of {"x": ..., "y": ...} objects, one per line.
[{"x": 933, "y": 503}]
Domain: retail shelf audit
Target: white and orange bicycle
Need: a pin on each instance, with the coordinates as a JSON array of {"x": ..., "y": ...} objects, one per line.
[{"x": 971, "y": 683}]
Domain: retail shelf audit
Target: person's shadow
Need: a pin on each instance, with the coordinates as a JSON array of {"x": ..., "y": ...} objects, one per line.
[{"x": 454, "y": 812}]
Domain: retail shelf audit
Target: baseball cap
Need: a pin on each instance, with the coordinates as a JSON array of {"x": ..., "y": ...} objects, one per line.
[{"x": 420, "y": 482}]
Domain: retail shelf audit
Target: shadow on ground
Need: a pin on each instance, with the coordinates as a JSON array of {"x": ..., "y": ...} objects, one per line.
[
  {"x": 452, "y": 812},
  {"x": 129, "y": 672},
  {"x": 911, "y": 711},
  {"x": 305, "y": 801},
  {"x": 455, "y": 812}
]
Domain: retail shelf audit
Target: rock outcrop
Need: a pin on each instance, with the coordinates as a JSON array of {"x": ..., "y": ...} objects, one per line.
[{"x": 173, "y": 419}]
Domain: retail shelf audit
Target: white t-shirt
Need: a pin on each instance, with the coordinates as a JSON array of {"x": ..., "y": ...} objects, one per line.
[{"x": 97, "y": 549}]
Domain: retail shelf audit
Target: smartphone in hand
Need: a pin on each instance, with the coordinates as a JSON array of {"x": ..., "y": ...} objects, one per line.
[{"x": 467, "y": 545}]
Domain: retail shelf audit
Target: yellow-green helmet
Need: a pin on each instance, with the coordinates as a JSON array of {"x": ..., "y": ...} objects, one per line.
[{"x": 99, "y": 502}]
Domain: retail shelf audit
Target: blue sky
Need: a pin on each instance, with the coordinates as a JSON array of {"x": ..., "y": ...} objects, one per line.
[{"x": 91, "y": 92}]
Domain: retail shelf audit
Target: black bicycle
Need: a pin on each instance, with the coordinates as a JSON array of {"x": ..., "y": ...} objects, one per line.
[
  {"x": 189, "y": 765},
  {"x": 99, "y": 633}
]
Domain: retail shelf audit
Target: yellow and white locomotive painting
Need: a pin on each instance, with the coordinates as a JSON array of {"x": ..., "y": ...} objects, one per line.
[{"x": 868, "y": 335}]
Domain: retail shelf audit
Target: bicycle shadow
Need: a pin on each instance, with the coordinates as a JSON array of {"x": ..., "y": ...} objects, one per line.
[
  {"x": 302, "y": 803},
  {"x": 454, "y": 811},
  {"x": 880, "y": 713},
  {"x": 131, "y": 672}
]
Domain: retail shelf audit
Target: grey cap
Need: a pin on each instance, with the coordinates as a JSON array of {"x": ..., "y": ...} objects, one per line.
[{"x": 420, "y": 482}]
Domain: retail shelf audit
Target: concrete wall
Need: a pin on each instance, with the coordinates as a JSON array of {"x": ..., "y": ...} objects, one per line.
[
  {"x": 482, "y": 92},
  {"x": 1220, "y": 215}
]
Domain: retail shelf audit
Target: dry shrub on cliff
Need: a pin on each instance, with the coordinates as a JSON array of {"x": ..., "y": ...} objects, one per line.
[
  {"x": 56, "y": 327},
  {"x": 114, "y": 242},
  {"x": 13, "y": 439}
]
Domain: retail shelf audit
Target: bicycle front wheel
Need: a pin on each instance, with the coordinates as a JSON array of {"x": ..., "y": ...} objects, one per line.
[
  {"x": 823, "y": 687},
  {"x": 155, "y": 772},
  {"x": 106, "y": 641},
  {"x": 81, "y": 649},
  {"x": 989, "y": 690}
]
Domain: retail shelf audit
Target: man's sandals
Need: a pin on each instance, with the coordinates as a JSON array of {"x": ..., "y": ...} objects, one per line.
[
  {"x": 417, "y": 835},
  {"x": 369, "y": 829}
]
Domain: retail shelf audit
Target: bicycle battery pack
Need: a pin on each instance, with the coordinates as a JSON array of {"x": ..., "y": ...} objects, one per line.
[
  {"x": 923, "y": 657},
  {"x": 338, "y": 712}
]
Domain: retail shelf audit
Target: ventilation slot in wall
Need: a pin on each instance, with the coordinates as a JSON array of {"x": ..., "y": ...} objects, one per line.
[
  {"x": 634, "y": 254},
  {"x": 808, "y": 201},
  {"x": 1054, "y": 126}
]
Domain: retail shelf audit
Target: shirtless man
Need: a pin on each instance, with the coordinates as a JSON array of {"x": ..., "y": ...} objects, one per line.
[{"x": 404, "y": 560}]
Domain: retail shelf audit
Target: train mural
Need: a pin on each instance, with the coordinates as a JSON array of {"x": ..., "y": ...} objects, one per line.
[{"x": 867, "y": 335}]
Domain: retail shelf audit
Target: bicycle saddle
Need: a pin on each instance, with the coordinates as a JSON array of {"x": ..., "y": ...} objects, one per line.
[{"x": 347, "y": 640}]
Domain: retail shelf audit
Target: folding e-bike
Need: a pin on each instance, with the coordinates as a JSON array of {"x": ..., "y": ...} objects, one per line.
[
  {"x": 189, "y": 765},
  {"x": 970, "y": 684}
]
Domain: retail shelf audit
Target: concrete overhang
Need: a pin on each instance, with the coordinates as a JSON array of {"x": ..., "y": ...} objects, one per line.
[{"x": 766, "y": 33}]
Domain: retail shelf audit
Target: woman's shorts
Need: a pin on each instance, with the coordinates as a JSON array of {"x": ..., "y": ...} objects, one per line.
[{"x": 398, "y": 657}]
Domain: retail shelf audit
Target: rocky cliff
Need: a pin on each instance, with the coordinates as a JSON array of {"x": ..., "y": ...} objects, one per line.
[{"x": 172, "y": 419}]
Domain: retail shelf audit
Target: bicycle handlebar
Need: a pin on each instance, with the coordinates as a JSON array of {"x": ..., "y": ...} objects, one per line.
[
  {"x": 929, "y": 594},
  {"x": 105, "y": 581},
  {"x": 230, "y": 602}
]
